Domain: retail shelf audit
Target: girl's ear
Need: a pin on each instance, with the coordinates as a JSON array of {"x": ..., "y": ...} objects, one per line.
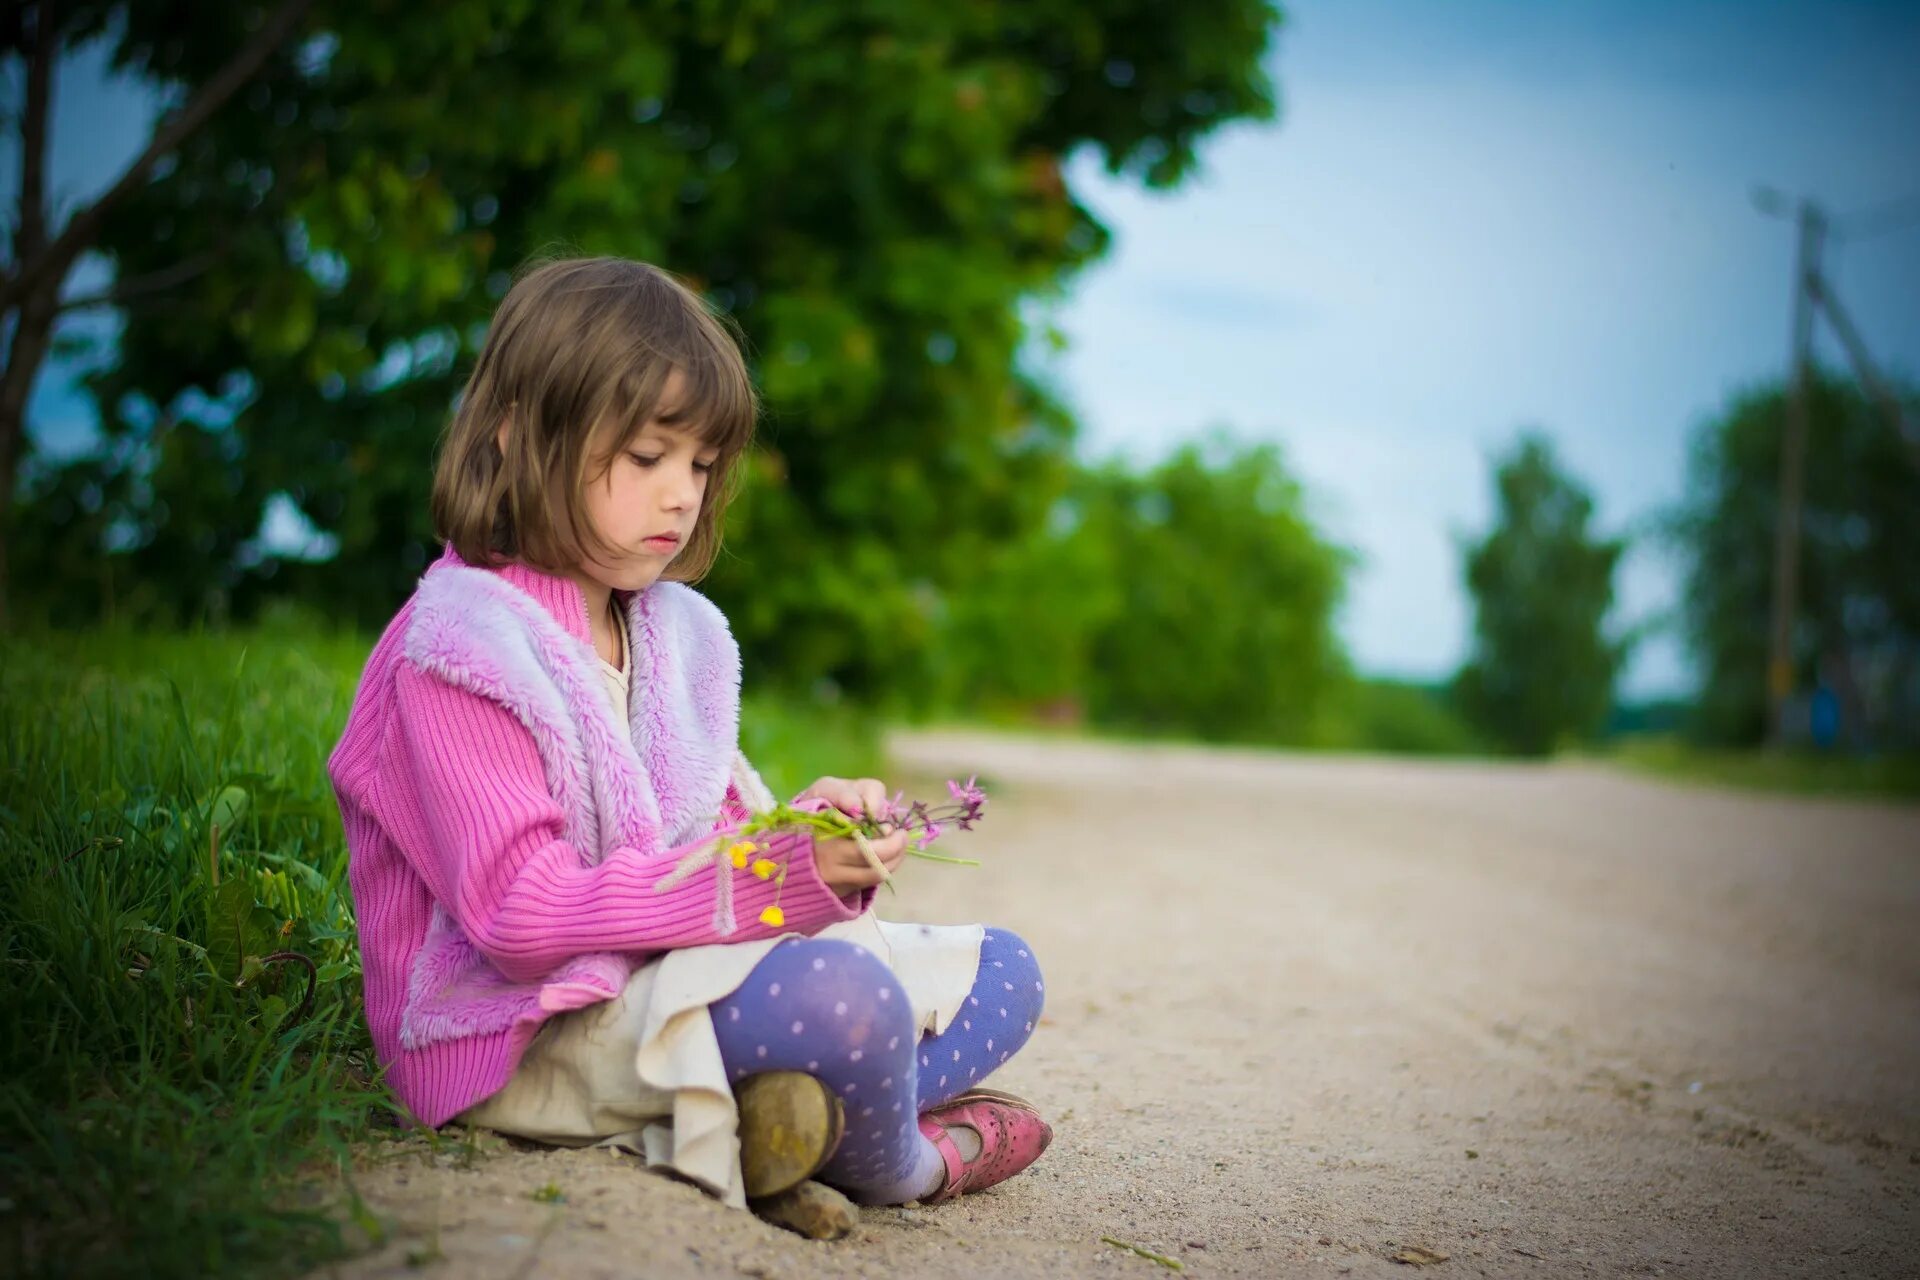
[{"x": 506, "y": 424}]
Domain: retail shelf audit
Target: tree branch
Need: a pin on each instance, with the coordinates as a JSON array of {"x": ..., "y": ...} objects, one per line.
[
  {"x": 31, "y": 237},
  {"x": 85, "y": 226},
  {"x": 132, "y": 287}
]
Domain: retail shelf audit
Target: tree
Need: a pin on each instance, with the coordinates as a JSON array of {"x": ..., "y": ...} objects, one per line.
[
  {"x": 1541, "y": 669},
  {"x": 39, "y": 258},
  {"x": 1858, "y": 629},
  {"x": 1226, "y": 598},
  {"x": 872, "y": 190}
]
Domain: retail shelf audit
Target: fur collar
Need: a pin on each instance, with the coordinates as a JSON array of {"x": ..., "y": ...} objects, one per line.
[{"x": 657, "y": 781}]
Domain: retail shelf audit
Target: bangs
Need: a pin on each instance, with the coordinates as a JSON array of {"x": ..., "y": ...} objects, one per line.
[{"x": 720, "y": 404}]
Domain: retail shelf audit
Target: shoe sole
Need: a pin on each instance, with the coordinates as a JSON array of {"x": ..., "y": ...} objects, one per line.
[
  {"x": 812, "y": 1209},
  {"x": 789, "y": 1125}
]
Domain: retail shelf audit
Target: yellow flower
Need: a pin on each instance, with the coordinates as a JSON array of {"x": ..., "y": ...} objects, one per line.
[
  {"x": 773, "y": 917},
  {"x": 739, "y": 853},
  {"x": 763, "y": 868}
]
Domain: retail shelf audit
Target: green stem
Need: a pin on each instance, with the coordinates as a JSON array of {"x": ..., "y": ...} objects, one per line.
[
  {"x": 1171, "y": 1264},
  {"x": 941, "y": 857}
]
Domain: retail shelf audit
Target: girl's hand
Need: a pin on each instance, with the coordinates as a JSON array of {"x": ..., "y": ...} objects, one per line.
[
  {"x": 856, "y": 797},
  {"x": 843, "y": 868}
]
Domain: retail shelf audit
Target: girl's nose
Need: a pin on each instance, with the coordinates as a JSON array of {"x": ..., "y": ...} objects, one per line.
[{"x": 686, "y": 492}]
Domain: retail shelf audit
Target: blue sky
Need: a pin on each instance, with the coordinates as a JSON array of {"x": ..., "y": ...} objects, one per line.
[
  {"x": 1477, "y": 216},
  {"x": 1471, "y": 216}
]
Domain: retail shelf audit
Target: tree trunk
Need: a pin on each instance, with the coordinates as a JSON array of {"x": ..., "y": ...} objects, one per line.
[
  {"x": 30, "y": 292},
  {"x": 33, "y": 332},
  {"x": 32, "y": 312}
]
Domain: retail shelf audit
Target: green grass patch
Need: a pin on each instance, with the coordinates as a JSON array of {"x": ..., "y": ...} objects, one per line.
[
  {"x": 1400, "y": 717},
  {"x": 1368, "y": 715},
  {"x": 185, "y": 1057},
  {"x": 1798, "y": 772},
  {"x": 794, "y": 742}
]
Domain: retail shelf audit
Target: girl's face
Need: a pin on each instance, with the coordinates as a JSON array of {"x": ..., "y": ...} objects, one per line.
[{"x": 646, "y": 504}]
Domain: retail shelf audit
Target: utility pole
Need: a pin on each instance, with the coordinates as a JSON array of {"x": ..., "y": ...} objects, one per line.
[
  {"x": 1812, "y": 292},
  {"x": 1793, "y": 455}
]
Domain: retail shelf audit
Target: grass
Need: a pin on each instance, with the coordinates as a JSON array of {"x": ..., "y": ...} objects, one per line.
[
  {"x": 1366, "y": 714},
  {"x": 1805, "y": 773},
  {"x": 171, "y": 1103}
]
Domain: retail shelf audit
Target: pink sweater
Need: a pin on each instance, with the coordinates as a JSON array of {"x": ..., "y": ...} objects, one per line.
[{"x": 445, "y": 800}]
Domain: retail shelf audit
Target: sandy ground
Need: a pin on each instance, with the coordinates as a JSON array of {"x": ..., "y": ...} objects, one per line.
[{"x": 1306, "y": 1013}]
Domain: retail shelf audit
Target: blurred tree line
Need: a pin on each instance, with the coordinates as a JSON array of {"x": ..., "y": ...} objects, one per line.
[
  {"x": 1543, "y": 665},
  {"x": 874, "y": 191}
]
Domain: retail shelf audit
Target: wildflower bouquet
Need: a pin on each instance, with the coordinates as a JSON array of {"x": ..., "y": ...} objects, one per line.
[{"x": 746, "y": 846}]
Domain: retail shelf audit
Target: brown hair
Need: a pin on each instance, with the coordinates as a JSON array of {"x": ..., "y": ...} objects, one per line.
[{"x": 574, "y": 364}]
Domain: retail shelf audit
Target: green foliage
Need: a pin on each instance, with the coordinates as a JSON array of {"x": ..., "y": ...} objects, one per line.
[
  {"x": 1193, "y": 597},
  {"x": 1399, "y": 718},
  {"x": 874, "y": 190},
  {"x": 162, "y": 1079},
  {"x": 1542, "y": 668},
  {"x": 1859, "y": 615},
  {"x": 1225, "y": 629},
  {"x": 791, "y": 742},
  {"x": 1798, "y": 772},
  {"x": 165, "y": 1083}
]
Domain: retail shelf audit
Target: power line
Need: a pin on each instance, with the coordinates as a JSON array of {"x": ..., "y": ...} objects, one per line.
[{"x": 1865, "y": 224}]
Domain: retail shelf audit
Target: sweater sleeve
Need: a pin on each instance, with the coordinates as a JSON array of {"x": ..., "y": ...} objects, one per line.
[
  {"x": 734, "y": 812},
  {"x": 472, "y": 814}
]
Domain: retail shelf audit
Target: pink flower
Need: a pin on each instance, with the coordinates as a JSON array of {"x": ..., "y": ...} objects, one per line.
[{"x": 970, "y": 794}]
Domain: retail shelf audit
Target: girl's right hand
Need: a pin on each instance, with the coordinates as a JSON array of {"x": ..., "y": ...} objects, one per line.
[{"x": 844, "y": 869}]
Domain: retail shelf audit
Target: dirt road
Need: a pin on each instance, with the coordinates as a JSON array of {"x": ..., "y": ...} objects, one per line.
[{"x": 1308, "y": 1013}]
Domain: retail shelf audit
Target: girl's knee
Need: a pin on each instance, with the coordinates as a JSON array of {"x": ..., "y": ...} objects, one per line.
[
  {"x": 843, "y": 987},
  {"x": 1008, "y": 967}
]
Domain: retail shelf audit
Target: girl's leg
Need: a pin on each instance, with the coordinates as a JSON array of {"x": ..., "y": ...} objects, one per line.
[
  {"x": 836, "y": 1011},
  {"x": 996, "y": 1019}
]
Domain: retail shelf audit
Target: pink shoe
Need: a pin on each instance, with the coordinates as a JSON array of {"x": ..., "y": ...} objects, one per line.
[{"x": 1012, "y": 1136}]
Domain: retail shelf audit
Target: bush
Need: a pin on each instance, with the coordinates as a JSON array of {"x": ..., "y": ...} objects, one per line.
[
  {"x": 1402, "y": 718},
  {"x": 1192, "y": 598}
]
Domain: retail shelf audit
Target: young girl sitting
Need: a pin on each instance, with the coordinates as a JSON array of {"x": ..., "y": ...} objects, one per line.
[{"x": 551, "y": 723}]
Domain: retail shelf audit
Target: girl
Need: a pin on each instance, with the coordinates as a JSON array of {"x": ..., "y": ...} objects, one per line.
[{"x": 551, "y": 723}]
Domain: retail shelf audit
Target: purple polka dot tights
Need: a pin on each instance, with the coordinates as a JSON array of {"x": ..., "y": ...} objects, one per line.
[{"x": 835, "y": 1011}]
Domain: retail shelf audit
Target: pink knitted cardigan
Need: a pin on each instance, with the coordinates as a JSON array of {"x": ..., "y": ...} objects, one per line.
[{"x": 506, "y": 834}]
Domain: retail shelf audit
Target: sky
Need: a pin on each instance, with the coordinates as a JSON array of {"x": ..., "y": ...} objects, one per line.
[
  {"x": 1475, "y": 217},
  {"x": 1469, "y": 218}
]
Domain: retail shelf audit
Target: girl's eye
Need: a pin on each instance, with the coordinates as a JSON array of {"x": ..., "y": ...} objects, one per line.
[{"x": 642, "y": 459}]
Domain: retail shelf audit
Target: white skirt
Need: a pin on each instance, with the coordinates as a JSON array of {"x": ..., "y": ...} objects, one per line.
[{"x": 643, "y": 1071}]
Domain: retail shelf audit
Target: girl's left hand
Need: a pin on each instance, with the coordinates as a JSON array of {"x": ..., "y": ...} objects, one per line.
[
  {"x": 857, "y": 797},
  {"x": 843, "y": 868}
]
